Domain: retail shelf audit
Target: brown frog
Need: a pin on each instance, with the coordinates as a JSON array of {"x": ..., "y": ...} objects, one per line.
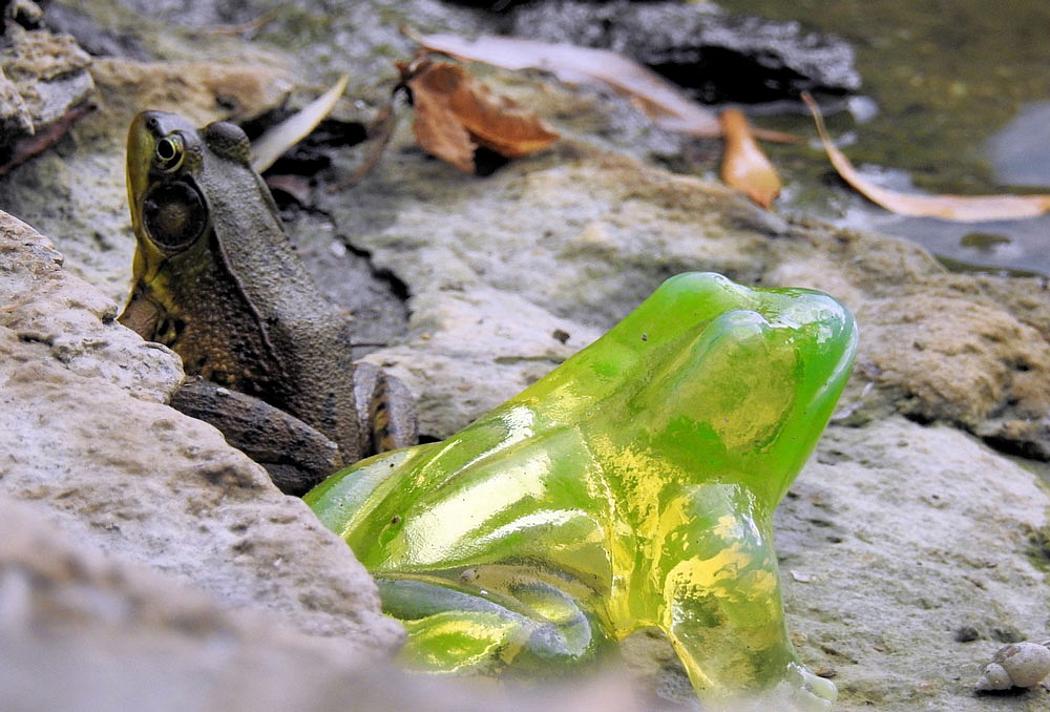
[{"x": 216, "y": 279}]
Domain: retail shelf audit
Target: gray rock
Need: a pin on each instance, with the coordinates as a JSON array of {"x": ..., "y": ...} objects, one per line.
[
  {"x": 83, "y": 431},
  {"x": 90, "y": 34},
  {"x": 355, "y": 36},
  {"x": 584, "y": 235},
  {"x": 891, "y": 535},
  {"x": 722, "y": 57},
  {"x": 81, "y": 631},
  {"x": 44, "y": 89}
]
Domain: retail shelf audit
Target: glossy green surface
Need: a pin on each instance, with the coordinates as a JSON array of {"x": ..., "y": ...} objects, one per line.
[{"x": 632, "y": 487}]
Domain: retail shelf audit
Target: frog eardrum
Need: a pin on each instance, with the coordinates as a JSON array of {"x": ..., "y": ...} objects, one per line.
[{"x": 174, "y": 215}]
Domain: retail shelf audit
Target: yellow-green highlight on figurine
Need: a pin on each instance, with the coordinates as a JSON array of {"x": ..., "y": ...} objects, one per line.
[{"x": 632, "y": 487}]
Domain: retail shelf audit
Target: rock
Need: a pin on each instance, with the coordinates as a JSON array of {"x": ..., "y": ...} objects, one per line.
[
  {"x": 83, "y": 431},
  {"x": 1016, "y": 665},
  {"x": 993, "y": 387},
  {"x": 504, "y": 356},
  {"x": 362, "y": 38},
  {"x": 66, "y": 606},
  {"x": 94, "y": 38},
  {"x": 605, "y": 230},
  {"x": 44, "y": 88},
  {"x": 118, "y": 636},
  {"x": 201, "y": 91},
  {"x": 374, "y": 299},
  {"x": 904, "y": 530},
  {"x": 721, "y": 57},
  {"x": 994, "y": 678}
]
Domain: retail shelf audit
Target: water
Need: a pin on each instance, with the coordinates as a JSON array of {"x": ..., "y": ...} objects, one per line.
[
  {"x": 962, "y": 92},
  {"x": 1020, "y": 152}
]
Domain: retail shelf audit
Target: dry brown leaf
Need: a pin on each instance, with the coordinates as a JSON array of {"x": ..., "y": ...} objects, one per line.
[
  {"x": 744, "y": 166},
  {"x": 657, "y": 97},
  {"x": 439, "y": 132},
  {"x": 957, "y": 208},
  {"x": 455, "y": 114}
]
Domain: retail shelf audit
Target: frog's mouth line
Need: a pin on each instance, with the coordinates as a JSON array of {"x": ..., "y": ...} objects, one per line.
[{"x": 139, "y": 152}]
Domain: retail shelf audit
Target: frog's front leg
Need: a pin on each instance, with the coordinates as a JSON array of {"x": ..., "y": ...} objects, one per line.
[
  {"x": 720, "y": 596},
  {"x": 522, "y": 623},
  {"x": 385, "y": 409},
  {"x": 296, "y": 455}
]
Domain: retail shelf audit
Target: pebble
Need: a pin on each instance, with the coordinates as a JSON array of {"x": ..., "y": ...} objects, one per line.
[{"x": 1016, "y": 665}]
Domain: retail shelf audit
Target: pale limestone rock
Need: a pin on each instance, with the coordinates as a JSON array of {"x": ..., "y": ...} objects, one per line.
[
  {"x": 42, "y": 76},
  {"x": 83, "y": 631}
]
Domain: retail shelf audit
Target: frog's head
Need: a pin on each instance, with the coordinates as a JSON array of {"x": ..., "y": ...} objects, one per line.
[
  {"x": 169, "y": 167},
  {"x": 722, "y": 381}
]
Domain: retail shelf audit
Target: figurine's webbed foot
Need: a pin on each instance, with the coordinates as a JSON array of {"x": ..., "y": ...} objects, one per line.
[
  {"x": 809, "y": 691},
  {"x": 460, "y": 627}
]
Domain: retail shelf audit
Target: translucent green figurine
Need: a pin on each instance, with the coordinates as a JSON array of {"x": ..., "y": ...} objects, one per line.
[{"x": 632, "y": 487}]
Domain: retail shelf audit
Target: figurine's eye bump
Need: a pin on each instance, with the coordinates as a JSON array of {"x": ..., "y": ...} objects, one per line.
[{"x": 169, "y": 153}]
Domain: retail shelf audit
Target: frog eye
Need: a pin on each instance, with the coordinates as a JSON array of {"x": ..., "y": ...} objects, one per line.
[
  {"x": 174, "y": 215},
  {"x": 168, "y": 153}
]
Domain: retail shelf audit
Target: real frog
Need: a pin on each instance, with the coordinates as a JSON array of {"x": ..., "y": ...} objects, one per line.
[
  {"x": 216, "y": 279},
  {"x": 633, "y": 487}
]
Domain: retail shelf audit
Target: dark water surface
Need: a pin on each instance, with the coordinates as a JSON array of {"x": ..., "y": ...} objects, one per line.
[{"x": 962, "y": 92}]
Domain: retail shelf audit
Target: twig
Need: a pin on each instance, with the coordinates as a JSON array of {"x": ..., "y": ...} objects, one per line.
[
  {"x": 249, "y": 28},
  {"x": 379, "y": 133}
]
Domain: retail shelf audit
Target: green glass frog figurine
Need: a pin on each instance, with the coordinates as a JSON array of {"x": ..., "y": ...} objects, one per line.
[{"x": 632, "y": 487}]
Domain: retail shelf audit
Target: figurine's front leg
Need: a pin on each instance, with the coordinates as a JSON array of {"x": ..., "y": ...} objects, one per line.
[
  {"x": 523, "y": 623},
  {"x": 721, "y": 599}
]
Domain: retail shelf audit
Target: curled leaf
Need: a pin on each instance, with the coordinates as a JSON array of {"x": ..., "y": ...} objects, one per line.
[
  {"x": 282, "y": 137},
  {"x": 455, "y": 114},
  {"x": 744, "y": 165},
  {"x": 661, "y": 100},
  {"x": 957, "y": 208}
]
